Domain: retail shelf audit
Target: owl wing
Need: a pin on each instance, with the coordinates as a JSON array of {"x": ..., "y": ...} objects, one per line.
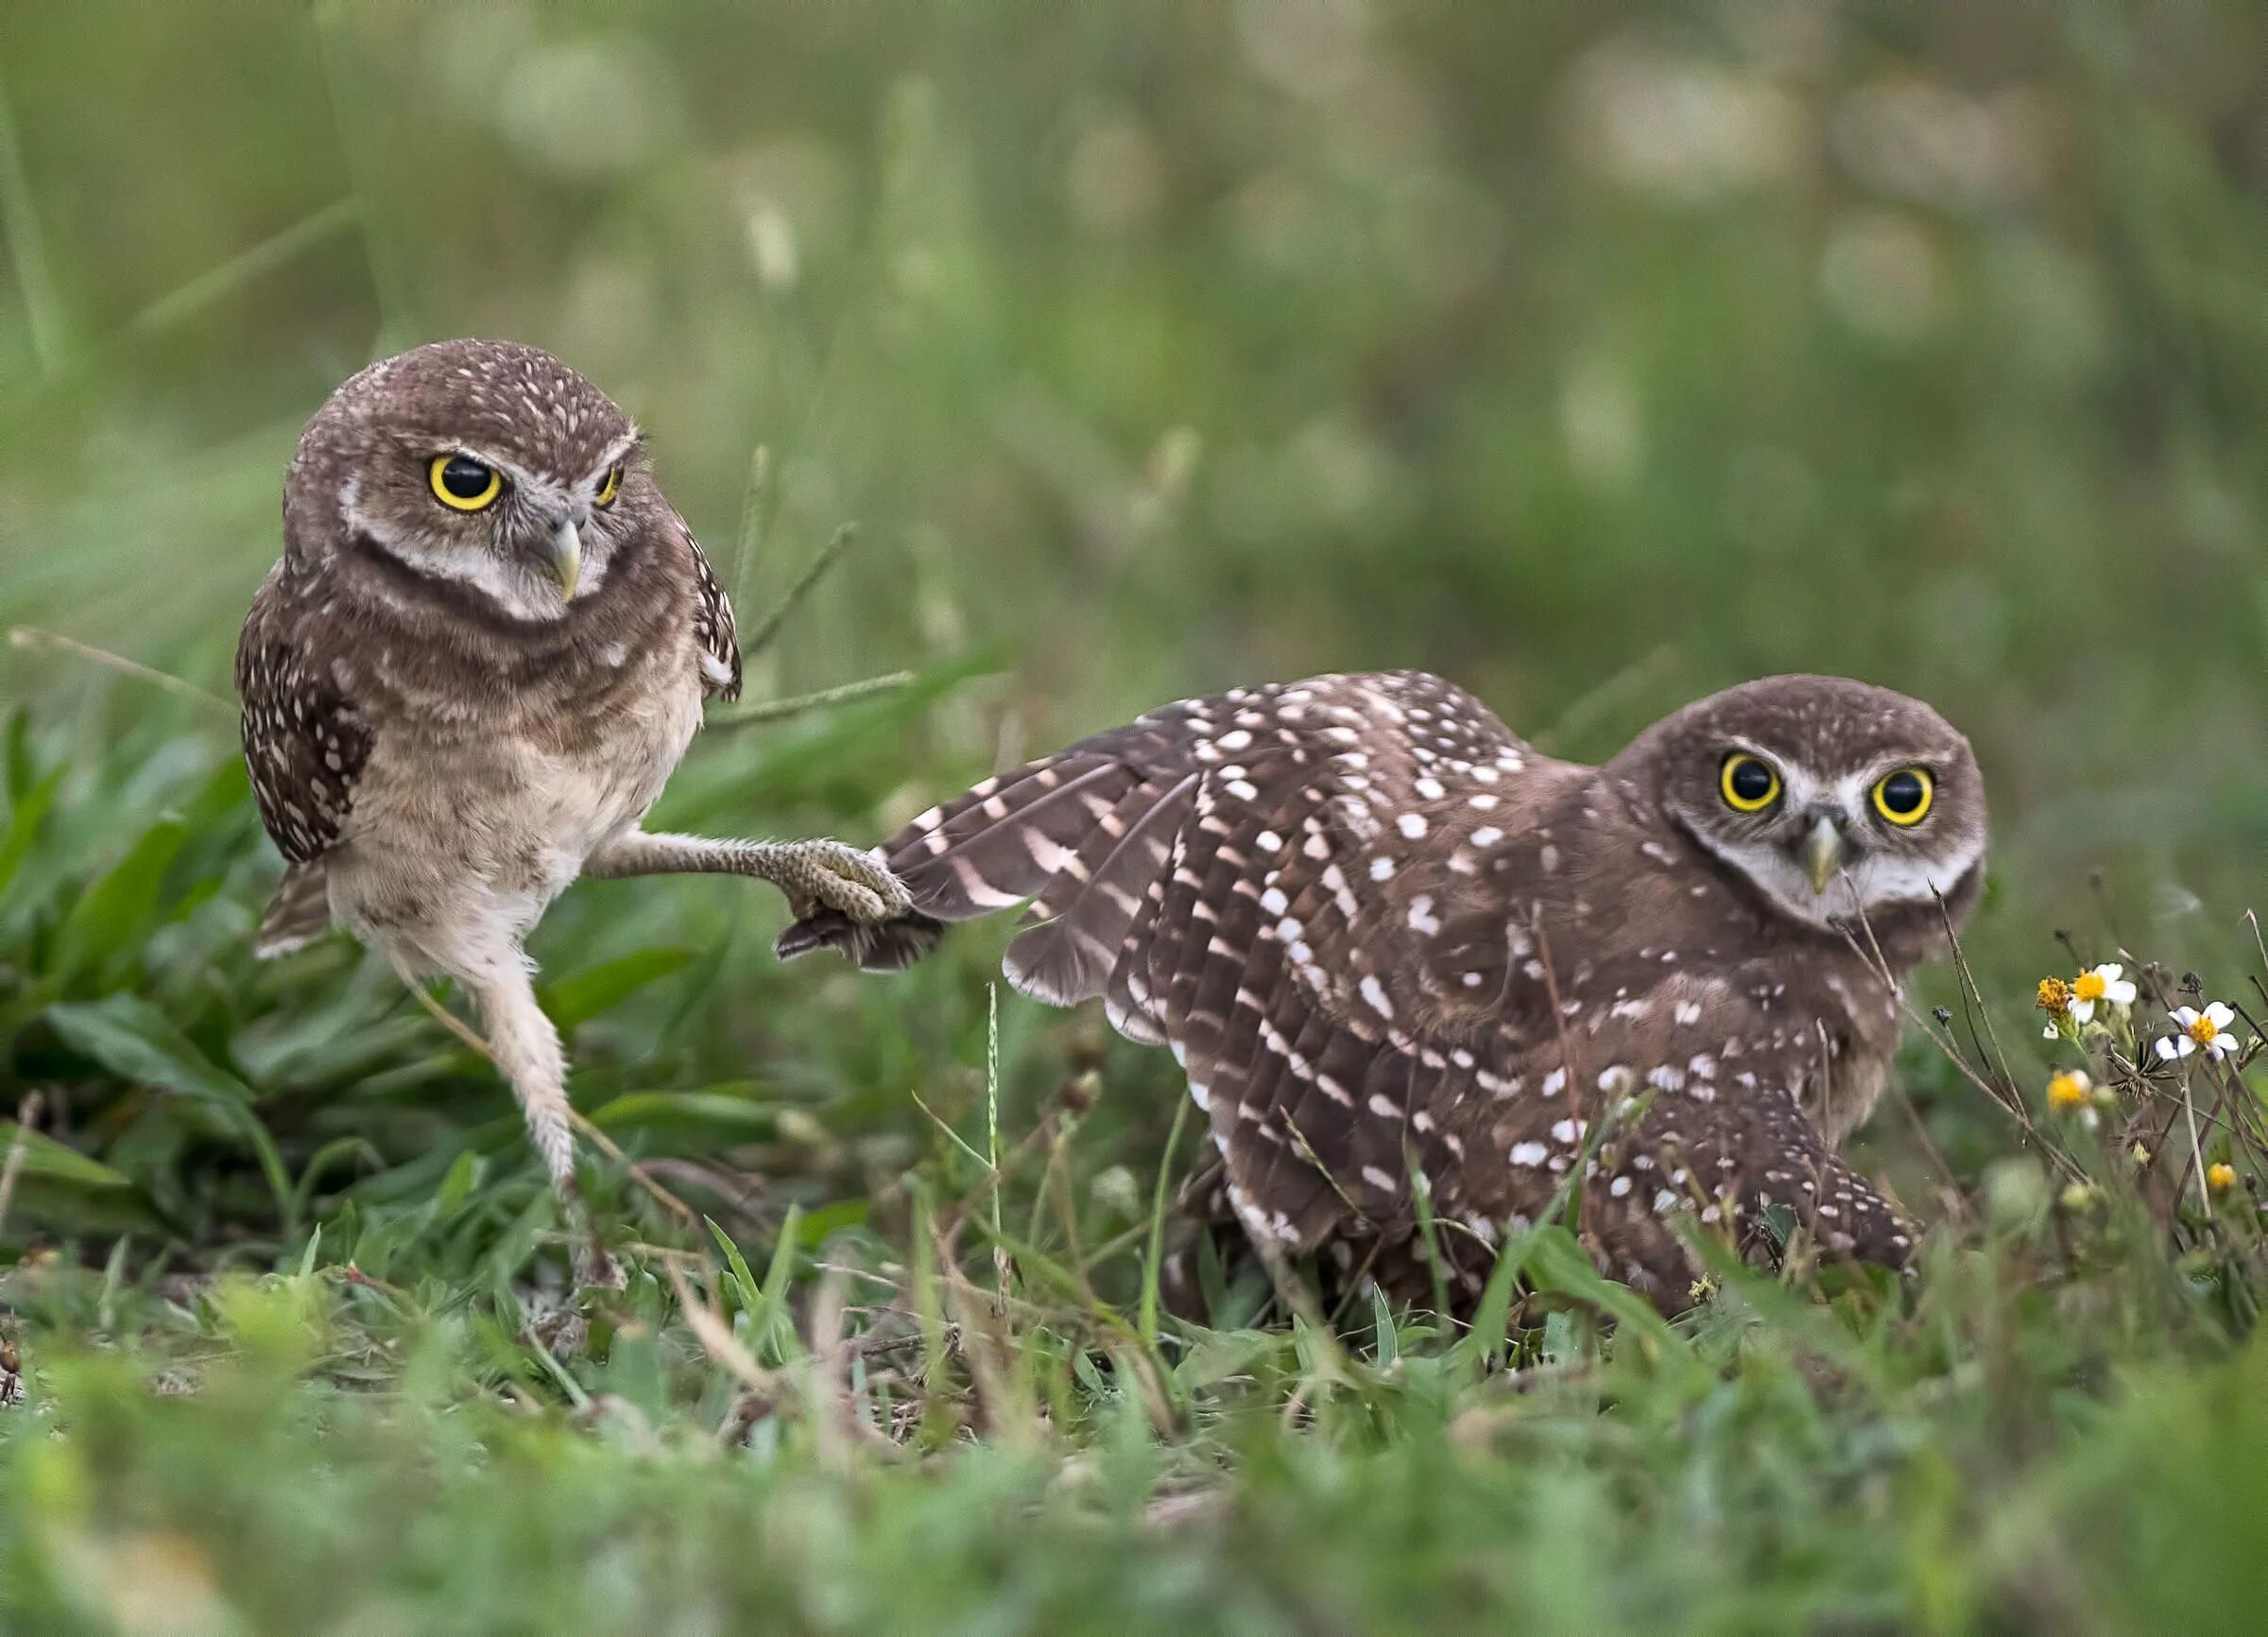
[
  {"x": 1252, "y": 880},
  {"x": 1682, "y": 1111},
  {"x": 712, "y": 625},
  {"x": 304, "y": 745}
]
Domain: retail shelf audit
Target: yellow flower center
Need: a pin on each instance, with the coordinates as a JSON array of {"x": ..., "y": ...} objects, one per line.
[
  {"x": 2055, "y": 996},
  {"x": 2088, "y": 986},
  {"x": 2066, "y": 1091},
  {"x": 2221, "y": 1177},
  {"x": 2204, "y": 1030}
]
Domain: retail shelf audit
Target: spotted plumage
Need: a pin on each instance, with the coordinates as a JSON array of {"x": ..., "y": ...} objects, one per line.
[
  {"x": 306, "y": 748},
  {"x": 482, "y": 653},
  {"x": 1387, "y": 940}
]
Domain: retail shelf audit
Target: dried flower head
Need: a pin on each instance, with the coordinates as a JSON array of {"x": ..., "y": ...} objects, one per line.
[{"x": 2055, "y": 998}]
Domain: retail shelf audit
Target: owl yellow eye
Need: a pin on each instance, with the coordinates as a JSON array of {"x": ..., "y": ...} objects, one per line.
[
  {"x": 611, "y": 486},
  {"x": 463, "y": 483},
  {"x": 1904, "y": 797},
  {"x": 1748, "y": 781}
]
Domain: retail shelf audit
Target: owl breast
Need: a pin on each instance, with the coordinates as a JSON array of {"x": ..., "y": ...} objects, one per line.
[
  {"x": 595, "y": 764},
  {"x": 484, "y": 809}
]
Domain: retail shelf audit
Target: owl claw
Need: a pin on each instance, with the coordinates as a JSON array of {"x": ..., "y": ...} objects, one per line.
[{"x": 850, "y": 881}]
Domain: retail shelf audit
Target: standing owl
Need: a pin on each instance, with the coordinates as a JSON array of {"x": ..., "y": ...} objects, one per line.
[
  {"x": 484, "y": 648},
  {"x": 1388, "y": 941}
]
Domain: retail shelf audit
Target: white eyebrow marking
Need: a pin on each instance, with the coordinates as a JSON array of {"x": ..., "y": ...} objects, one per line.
[{"x": 618, "y": 454}]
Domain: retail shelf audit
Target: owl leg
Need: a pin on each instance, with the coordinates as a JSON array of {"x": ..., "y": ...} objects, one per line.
[
  {"x": 530, "y": 1056},
  {"x": 814, "y": 874},
  {"x": 528, "y": 1052}
]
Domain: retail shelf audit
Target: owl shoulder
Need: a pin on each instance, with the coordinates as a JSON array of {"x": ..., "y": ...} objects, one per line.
[
  {"x": 305, "y": 744},
  {"x": 716, "y": 641}
]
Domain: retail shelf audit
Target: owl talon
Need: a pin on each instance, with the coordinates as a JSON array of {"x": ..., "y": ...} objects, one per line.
[{"x": 852, "y": 882}]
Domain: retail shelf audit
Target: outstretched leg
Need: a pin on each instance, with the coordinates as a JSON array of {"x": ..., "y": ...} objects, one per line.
[
  {"x": 529, "y": 1055},
  {"x": 814, "y": 874}
]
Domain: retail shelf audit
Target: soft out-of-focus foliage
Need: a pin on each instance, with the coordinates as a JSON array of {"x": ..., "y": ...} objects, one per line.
[{"x": 1597, "y": 355}]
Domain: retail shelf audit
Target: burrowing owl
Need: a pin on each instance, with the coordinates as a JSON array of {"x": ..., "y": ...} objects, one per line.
[
  {"x": 483, "y": 649},
  {"x": 1387, "y": 940}
]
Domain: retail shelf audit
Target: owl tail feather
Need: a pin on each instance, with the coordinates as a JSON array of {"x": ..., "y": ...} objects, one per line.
[{"x": 298, "y": 913}]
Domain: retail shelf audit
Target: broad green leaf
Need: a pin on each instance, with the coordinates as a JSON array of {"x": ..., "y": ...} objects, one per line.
[
  {"x": 137, "y": 1042},
  {"x": 771, "y": 1327},
  {"x": 597, "y": 989},
  {"x": 21, "y": 770},
  {"x": 42, "y": 1156},
  {"x": 456, "y": 1187},
  {"x": 636, "y": 1111},
  {"x": 51, "y": 1205},
  {"x": 819, "y": 1225},
  {"x": 115, "y": 912},
  {"x": 59, "y": 1189},
  {"x": 24, "y": 817},
  {"x": 744, "y": 1281}
]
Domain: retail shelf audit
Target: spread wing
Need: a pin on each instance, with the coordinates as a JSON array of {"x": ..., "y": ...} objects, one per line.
[
  {"x": 304, "y": 745},
  {"x": 1679, "y": 1112},
  {"x": 1252, "y": 880}
]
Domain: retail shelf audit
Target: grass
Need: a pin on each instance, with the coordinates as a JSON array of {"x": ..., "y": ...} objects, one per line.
[
  {"x": 1148, "y": 352},
  {"x": 281, "y": 1255}
]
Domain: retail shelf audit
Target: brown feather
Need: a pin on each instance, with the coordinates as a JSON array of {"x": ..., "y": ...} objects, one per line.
[{"x": 1381, "y": 933}]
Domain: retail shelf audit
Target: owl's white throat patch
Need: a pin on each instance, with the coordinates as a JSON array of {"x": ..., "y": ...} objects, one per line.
[{"x": 1869, "y": 881}]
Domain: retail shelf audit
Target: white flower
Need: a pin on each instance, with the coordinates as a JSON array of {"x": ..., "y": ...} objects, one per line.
[
  {"x": 2208, "y": 1029},
  {"x": 2097, "y": 985}
]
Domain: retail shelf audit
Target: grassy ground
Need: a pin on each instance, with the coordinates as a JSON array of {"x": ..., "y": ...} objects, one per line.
[{"x": 1596, "y": 356}]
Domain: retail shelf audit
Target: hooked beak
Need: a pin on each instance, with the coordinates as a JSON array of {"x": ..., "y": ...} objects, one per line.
[
  {"x": 1822, "y": 853},
  {"x": 567, "y": 558}
]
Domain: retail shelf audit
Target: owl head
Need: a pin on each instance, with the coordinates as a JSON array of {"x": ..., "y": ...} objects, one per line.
[
  {"x": 1836, "y": 800},
  {"x": 487, "y": 468}
]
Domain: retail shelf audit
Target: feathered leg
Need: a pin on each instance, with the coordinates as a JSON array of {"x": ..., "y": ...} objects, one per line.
[
  {"x": 814, "y": 874},
  {"x": 528, "y": 1053}
]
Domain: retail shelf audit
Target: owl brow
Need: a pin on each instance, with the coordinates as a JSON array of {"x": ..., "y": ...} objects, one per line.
[
  {"x": 1882, "y": 767},
  {"x": 1852, "y": 787},
  {"x": 423, "y": 447},
  {"x": 618, "y": 454}
]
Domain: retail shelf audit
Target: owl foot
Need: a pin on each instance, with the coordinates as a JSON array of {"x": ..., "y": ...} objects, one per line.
[
  {"x": 830, "y": 875},
  {"x": 816, "y": 875}
]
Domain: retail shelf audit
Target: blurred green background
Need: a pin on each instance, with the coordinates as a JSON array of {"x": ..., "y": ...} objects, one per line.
[{"x": 1595, "y": 355}]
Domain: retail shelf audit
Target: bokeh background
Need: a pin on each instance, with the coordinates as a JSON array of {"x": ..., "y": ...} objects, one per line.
[{"x": 1597, "y": 355}]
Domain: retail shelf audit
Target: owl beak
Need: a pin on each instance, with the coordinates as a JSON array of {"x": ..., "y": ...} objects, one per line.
[
  {"x": 1822, "y": 851},
  {"x": 567, "y": 558}
]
